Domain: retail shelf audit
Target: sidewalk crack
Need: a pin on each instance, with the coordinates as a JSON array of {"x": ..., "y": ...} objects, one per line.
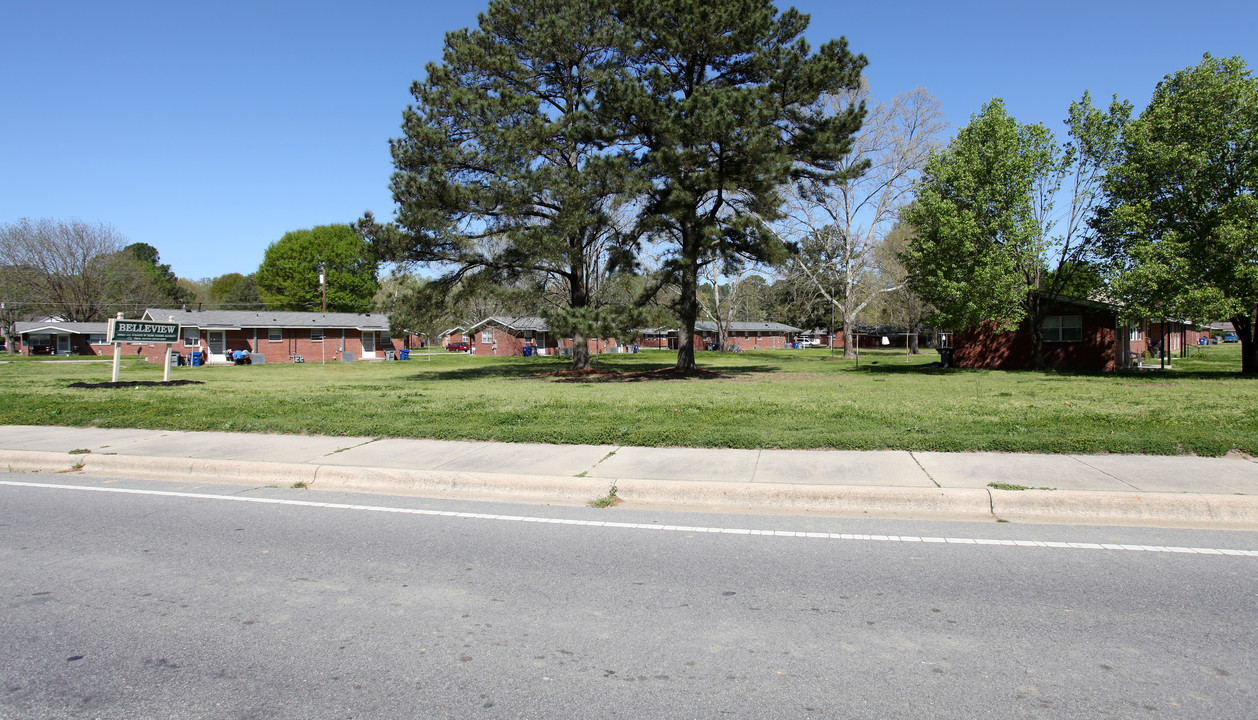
[
  {"x": 924, "y": 471},
  {"x": 1087, "y": 464},
  {"x": 354, "y": 447},
  {"x": 590, "y": 469}
]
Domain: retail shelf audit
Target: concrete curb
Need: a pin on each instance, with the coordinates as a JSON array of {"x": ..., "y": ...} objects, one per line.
[
  {"x": 1232, "y": 511},
  {"x": 1238, "y": 511}
]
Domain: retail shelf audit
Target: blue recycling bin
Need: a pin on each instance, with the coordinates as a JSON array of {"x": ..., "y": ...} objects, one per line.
[
  {"x": 404, "y": 354},
  {"x": 196, "y": 358},
  {"x": 528, "y": 351}
]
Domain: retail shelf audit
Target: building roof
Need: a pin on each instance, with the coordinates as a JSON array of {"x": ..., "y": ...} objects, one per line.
[
  {"x": 515, "y": 322},
  {"x": 709, "y": 326},
  {"x": 53, "y": 327},
  {"x": 237, "y": 319}
]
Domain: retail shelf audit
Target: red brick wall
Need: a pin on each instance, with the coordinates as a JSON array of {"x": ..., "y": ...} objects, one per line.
[
  {"x": 79, "y": 345},
  {"x": 506, "y": 344},
  {"x": 294, "y": 342},
  {"x": 983, "y": 348},
  {"x": 744, "y": 340}
]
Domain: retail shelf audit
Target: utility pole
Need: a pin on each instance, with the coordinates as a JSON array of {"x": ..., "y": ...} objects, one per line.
[{"x": 323, "y": 289}]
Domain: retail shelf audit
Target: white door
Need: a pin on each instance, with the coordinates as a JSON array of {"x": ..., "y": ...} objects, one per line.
[
  {"x": 369, "y": 344},
  {"x": 215, "y": 341},
  {"x": 63, "y": 344}
]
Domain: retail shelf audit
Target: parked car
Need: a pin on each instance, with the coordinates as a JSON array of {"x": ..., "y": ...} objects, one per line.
[
  {"x": 1230, "y": 337},
  {"x": 457, "y": 347}
]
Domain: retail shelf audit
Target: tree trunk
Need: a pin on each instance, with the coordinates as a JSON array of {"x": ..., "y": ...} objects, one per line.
[
  {"x": 1035, "y": 319},
  {"x": 1037, "y": 344},
  {"x": 915, "y": 323},
  {"x": 578, "y": 297},
  {"x": 849, "y": 340},
  {"x": 688, "y": 310},
  {"x": 1244, "y": 325},
  {"x": 580, "y": 352}
]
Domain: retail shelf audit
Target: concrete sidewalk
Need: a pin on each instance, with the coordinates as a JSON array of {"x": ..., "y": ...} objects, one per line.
[{"x": 1192, "y": 491}]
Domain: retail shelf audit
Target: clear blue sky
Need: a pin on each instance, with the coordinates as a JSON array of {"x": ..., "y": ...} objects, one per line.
[{"x": 208, "y": 130}]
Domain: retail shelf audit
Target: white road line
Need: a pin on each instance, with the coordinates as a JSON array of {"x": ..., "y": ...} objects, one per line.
[{"x": 1047, "y": 544}]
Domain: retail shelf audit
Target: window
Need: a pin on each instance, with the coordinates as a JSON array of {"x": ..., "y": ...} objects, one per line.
[
  {"x": 96, "y": 339},
  {"x": 316, "y": 334},
  {"x": 274, "y": 334},
  {"x": 486, "y": 335},
  {"x": 191, "y": 337},
  {"x": 1063, "y": 328},
  {"x": 1136, "y": 333}
]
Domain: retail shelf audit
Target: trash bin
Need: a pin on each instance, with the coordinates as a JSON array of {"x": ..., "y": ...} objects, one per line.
[
  {"x": 388, "y": 355},
  {"x": 945, "y": 356},
  {"x": 196, "y": 358},
  {"x": 635, "y": 348},
  {"x": 528, "y": 351},
  {"x": 405, "y": 354}
]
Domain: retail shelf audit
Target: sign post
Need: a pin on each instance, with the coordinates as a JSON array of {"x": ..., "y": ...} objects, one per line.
[
  {"x": 143, "y": 331},
  {"x": 117, "y": 349},
  {"x": 166, "y": 364}
]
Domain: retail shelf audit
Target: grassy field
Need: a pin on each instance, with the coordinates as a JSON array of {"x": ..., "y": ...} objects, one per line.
[{"x": 770, "y": 399}]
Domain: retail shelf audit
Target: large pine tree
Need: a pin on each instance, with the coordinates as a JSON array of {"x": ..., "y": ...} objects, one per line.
[
  {"x": 503, "y": 170},
  {"x": 713, "y": 98}
]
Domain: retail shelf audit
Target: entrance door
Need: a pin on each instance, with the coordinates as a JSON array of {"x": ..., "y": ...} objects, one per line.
[
  {"x": 215, "y": 341},
  {"x": 63, "y": 344},
  {"x": 369, "y": 344}
]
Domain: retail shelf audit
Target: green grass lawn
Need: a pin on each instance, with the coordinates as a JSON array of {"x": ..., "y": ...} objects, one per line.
[{"x": 767, "y": 399}]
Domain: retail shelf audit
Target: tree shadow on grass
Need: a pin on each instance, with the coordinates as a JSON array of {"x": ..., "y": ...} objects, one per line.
[
  {"x": 623, "y": 371},
  {"x": 1149, "y": 377}
]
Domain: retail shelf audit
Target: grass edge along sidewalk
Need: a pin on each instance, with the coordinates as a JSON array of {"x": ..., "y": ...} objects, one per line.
[{"x": 769, "y": 399}]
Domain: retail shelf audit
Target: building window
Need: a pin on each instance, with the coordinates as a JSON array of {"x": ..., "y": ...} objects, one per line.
[
  {"x": 96, "y": 339},
  {"x": 274, "y": 334},
  {"x": 486, "y": 335},
  {"x": 1136, "y": 333},
  {"x": 191, "y": 337},
  {"x": 1063, "y": 328},
  {"x": 316, "y": 335}
]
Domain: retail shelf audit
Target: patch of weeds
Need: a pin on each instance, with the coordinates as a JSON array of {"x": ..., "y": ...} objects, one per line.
[
  {"x": 1011, "y": 486},
  {"x": 79, "y": 451},
  {"x": 1001, "y": 520},
  {"x": 299, "y": 485},
  {"x": 76, "y": 466},
  {"x": 581, "y": 474},
  {"x": 1006, "y": 486},
  {"x": 607, "y": 500}
]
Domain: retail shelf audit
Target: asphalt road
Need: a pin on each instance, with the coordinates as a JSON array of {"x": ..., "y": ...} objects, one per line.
[{"x": 148, "y": 605}]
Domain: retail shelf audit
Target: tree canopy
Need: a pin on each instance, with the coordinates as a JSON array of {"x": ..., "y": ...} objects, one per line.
[
  {"x": 503, "y": 171},
  {"x": 288, "y": 278},
  {"x": 713, "y": 100},
  {"x": 988, "y": 244},
  {"x": 1181, "y": 219},
  {"x": 75, "y": 270}
]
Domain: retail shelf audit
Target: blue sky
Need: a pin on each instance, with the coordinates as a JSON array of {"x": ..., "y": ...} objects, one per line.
[{"x": 208, "y": 130}]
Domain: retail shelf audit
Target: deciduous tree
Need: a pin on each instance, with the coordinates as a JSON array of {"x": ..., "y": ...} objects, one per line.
[
  {"x": 845, "y": 222},
  {"x": 1181, "y": 218},
  {"x": 288, "y": 278},
  {"x": 987, "y": 234},
  {"x": 69, "y": 269}
]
